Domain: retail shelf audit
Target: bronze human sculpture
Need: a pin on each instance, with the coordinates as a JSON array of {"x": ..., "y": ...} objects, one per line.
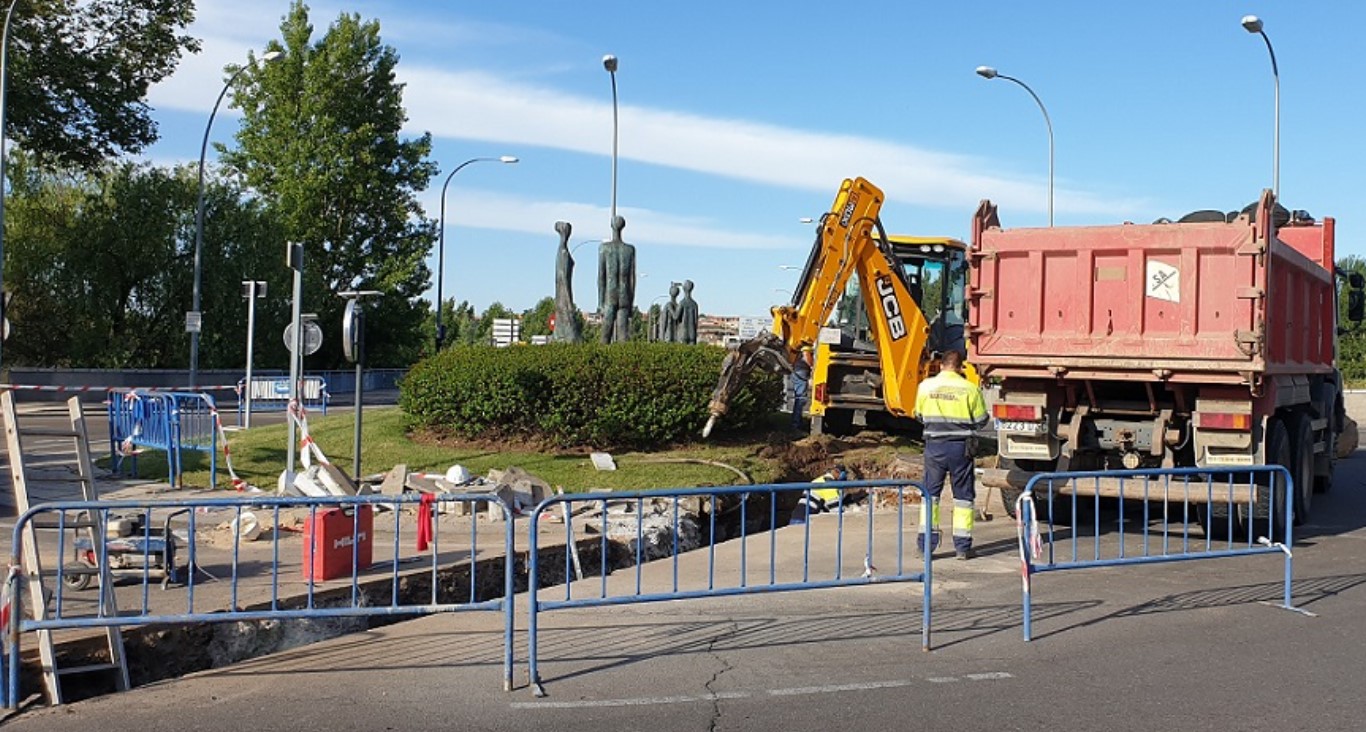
[
  {"x": 685, "y": 330},
  {"x": 566, "y": 324},
  {"x": 667, "y": 328},
  {"x": 616, "y": 285}
]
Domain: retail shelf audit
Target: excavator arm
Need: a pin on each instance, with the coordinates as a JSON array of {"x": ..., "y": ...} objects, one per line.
[{"x": 845, "y": 244}]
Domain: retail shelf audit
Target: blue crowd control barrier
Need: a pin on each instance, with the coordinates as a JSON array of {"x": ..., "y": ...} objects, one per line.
[
  {"x": 141, "y": 419},
  {"x": 339, "y": 531},
  {"x": 1159, "y": 515},
  {"x": 194, "y": 426},
  {"x": 271, "y": 394},
  {"x": 789, "y": 547}
]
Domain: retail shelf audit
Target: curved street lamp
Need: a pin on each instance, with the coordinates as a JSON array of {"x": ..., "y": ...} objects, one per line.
[
  {"x": 267, "y": 57},
  {"x": 987, "y": 72},
  {"x": 609, "y": 62},
  {"x": 1253, "y": 24},
  {"x": 441, "y": 240},
  {"x": 575, "y": 248}
]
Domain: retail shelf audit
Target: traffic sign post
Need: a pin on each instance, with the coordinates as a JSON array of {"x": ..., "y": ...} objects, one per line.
[{"x": 353, "y": 346}]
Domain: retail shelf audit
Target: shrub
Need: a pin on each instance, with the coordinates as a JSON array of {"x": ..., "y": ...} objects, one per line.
[{"x": 619, "y": 395}]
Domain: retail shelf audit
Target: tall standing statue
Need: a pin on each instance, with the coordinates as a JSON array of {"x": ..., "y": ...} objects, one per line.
[
  {"x": 616, "y": 285},
  {"x": 566, "y": 324},
  {"x": 686, "y": 330},
  {"x": 667, "y": 331}
]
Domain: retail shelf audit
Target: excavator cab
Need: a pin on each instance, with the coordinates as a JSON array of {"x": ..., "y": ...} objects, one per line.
[{"x": 847, "y": 376}]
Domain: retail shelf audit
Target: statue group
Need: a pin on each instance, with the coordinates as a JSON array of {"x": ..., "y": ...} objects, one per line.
[
  {"x": 617, "y": 294},
  {"x": 677, "y": 321}
]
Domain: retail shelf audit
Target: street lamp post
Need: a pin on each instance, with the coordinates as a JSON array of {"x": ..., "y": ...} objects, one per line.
[
  {"x": 1253, "y": 24},
  {"x": 441, "y": 241},
  {"x": 251, "y": 289},
  {"x": 193, "y": 321},
  {"x": 987, "y": 72},
  {"x": 609, "y": 62}
]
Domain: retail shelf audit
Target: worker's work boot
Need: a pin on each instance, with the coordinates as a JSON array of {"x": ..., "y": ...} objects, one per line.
[{"x": 965, "y": 554}]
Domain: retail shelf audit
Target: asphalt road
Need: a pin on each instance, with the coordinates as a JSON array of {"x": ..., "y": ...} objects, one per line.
[{"x": 1187, "y": 646}]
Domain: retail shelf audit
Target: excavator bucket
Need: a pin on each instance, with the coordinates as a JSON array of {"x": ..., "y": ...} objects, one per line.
[{"x": 764, "y": 351}]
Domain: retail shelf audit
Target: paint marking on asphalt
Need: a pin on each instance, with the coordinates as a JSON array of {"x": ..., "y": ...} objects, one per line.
[
  {"x": 989, "y": 676},
  {"x": 646, "y": 701},
  {"x": 833, "y": 688}
]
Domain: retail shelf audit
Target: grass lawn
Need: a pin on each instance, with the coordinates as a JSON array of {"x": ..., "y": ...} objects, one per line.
[{"x": 258, "y": 456}]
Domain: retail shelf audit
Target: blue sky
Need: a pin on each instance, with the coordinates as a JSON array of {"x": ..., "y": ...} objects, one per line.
[{"x": 737, "y": 119}]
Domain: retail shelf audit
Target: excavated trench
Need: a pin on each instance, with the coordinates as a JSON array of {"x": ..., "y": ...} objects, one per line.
[{"x": 160, "y": 652}]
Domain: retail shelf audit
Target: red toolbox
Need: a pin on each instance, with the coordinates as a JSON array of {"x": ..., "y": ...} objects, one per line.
[{"x": 329, "y": 538}]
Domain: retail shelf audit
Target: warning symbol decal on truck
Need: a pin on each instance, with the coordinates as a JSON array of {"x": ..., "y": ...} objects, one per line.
[{"x": 1164, "y": 281}]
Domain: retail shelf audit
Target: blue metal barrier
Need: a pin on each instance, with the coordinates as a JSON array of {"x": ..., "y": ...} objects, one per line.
[
  {"x": 150, "y": 555},
  {"x": 633, "y": 525},
  {"x": 1185, "y": 514},
  {"x": 194, "y": 426},
  {"x": 141, "y": 419},
  {"x": 271, "y": 394}
]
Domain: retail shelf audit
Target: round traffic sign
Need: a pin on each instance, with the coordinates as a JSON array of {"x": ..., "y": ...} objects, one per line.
[{"x": 313, "y": 337}]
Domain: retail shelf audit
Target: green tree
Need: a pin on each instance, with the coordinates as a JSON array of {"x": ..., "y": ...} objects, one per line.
[
  {"x": 483, "y": 327},
  {"x": 100, "y": 264},
  {"x": 536, "y": 321},
  {"x": 79, "y": 71},
  {"x": 320, "y": 141}
]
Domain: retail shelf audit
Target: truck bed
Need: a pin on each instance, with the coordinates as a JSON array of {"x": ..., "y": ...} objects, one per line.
[{"x": 1206, "y": 302}]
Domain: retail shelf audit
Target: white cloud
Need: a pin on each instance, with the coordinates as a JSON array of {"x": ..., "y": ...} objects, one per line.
[
  {"x": 480, "y": 105},
  {"x": 481, "y": 209}
]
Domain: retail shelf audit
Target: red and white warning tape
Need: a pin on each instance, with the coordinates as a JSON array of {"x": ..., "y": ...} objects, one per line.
[
  {"x": 88, "y": 387},
  {"x": 307, "y": 445}
]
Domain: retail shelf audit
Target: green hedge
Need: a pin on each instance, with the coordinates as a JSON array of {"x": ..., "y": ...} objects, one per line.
[{"x": 621, "y": 395}]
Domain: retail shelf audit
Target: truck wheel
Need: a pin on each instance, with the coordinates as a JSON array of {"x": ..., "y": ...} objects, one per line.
[
  {"x": 1327, "y": 463},
  {"x": 1269, "y": 511},
  {"x": 1010, "y": 495},
  {"x": 1302, "y": 467}
]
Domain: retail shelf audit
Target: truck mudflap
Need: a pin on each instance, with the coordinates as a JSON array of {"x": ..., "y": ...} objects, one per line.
[{"x": 1157, "y": 488}]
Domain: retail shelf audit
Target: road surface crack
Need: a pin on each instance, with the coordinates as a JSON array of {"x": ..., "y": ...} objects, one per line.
[{"x": 724, "y": 667}]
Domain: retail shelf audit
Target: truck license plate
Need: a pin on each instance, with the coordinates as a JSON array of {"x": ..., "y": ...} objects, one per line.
[{"x": 1027, "y": 427}]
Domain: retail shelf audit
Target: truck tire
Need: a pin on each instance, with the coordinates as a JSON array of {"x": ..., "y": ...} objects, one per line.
[
  {"x": 1302, "y": 467},
  {"x": 1268, "y": 512},
  {"x": 1327, "y": 463},
  {"x": 1010, "y": 495}
]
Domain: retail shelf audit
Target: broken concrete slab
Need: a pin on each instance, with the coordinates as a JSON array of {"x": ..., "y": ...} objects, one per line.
[{"x": 394, "y": 481}]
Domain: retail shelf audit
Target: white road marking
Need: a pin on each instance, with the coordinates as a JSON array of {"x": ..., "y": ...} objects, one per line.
[
  {"x": 646, "y": 701},
  {"x": 833, "y": 688}
]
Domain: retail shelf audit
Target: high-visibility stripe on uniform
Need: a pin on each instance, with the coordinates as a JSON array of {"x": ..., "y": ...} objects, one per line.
[
  {"x": 963, "y": 515},
  {"x": 950, "y": 406}
]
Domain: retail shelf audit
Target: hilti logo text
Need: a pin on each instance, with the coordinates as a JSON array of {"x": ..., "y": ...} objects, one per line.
[
  {"x": 346, "y": 541},
  {"x": 891, "y": 307}
]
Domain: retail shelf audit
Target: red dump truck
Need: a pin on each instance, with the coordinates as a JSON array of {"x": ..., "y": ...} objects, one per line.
[{"x": 1209, "y": 342}]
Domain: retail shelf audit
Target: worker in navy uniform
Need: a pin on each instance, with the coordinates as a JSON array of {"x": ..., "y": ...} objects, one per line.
[{"x": 952, "y": 410}]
